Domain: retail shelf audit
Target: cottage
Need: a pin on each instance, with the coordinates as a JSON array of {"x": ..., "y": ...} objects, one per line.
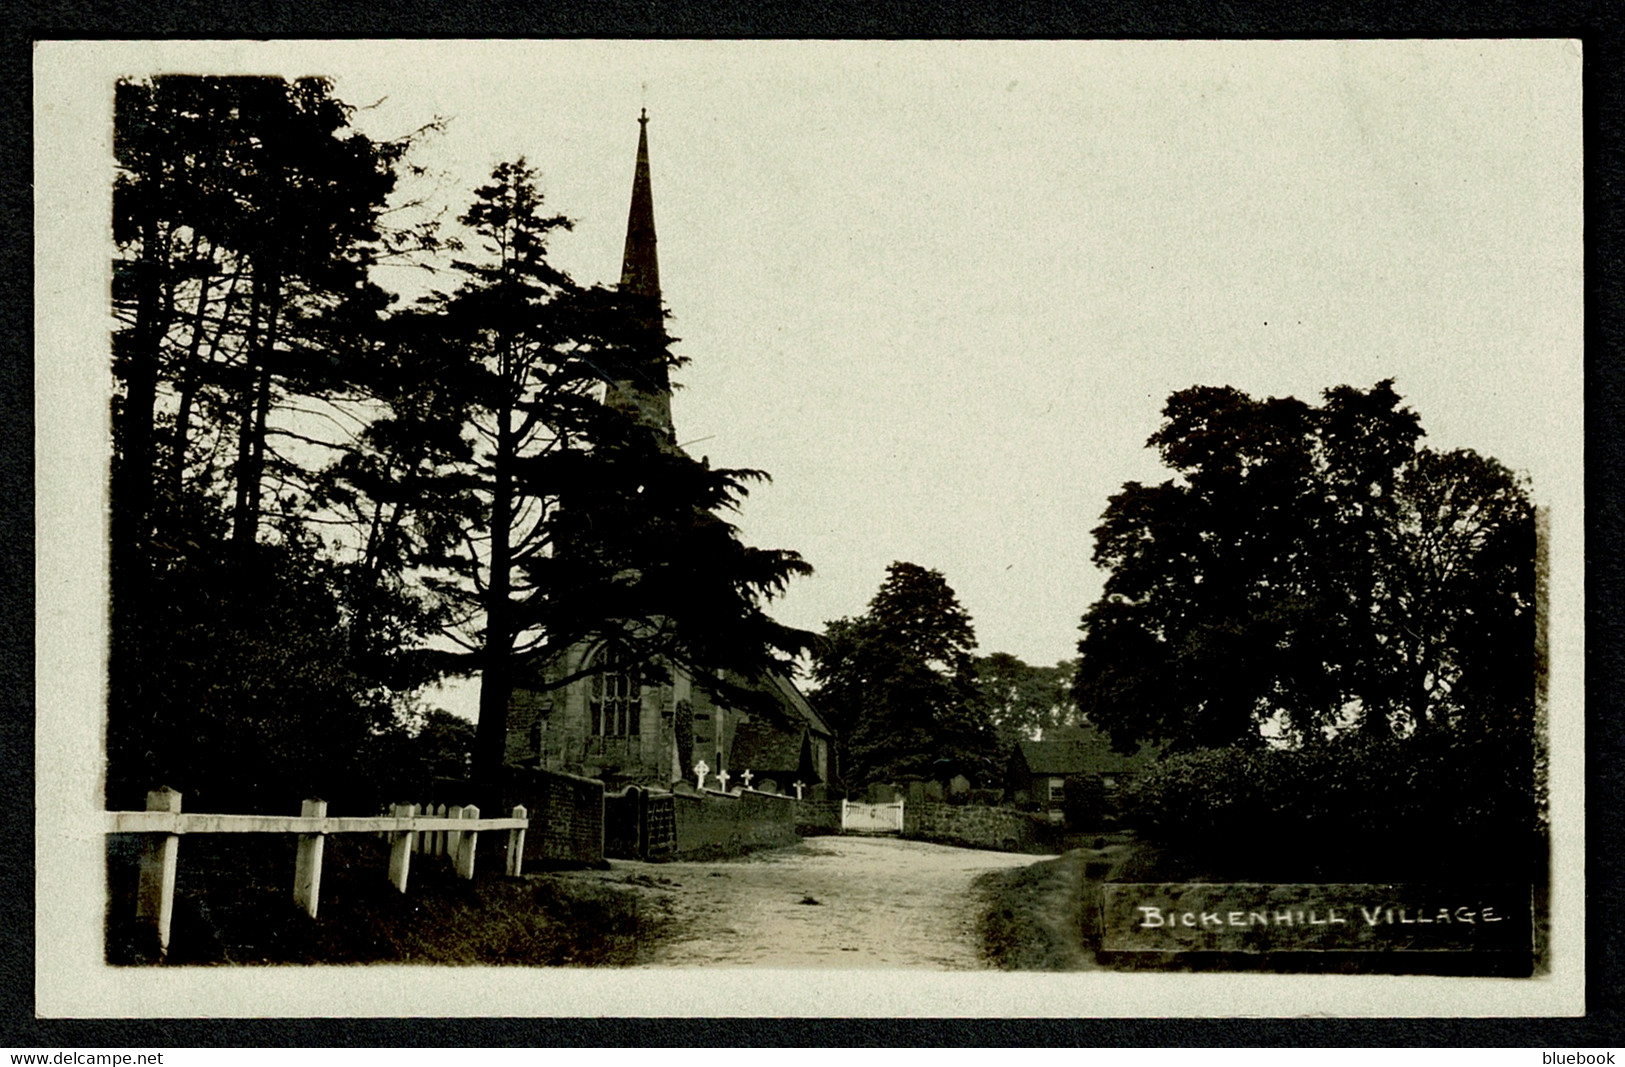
[{"x": 1038, "y": 770}]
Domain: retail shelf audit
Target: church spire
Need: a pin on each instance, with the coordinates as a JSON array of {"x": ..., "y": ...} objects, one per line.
[
  {"x": 640, "y": 266},
  {"x": 647, "y": 393}
]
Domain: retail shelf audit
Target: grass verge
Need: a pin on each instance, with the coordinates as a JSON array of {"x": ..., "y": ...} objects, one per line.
[
  {"x": 234, "y": 905},
  {"x": 1043, "y": 917}
]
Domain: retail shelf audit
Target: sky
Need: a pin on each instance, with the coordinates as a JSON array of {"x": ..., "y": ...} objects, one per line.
[{"x": 941, "y": 291}]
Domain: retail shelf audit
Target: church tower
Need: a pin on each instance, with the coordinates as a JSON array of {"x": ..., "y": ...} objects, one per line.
[
  {"x": 609, "y": 720},
  {"x": 646, "y": 392}
]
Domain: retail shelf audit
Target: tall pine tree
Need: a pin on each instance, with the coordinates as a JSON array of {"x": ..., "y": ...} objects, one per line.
[{"x": 587, "y": 523}]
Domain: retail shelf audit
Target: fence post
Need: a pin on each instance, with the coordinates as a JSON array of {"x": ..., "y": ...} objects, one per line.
[
  {"x": 516, "y": 843},
  {"x": 453, "y": 838},
  {"x": 402, "y": 847},
  {"x": 155, "y": 895},
  {"x": 464, "y": 853},
  {"x": 307, "y": 868}
]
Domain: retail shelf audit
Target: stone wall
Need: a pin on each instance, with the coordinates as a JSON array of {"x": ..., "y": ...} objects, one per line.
[
  {"x": 655, "y": 825},
  {"x": 974, "y": 826},
  {"x": 815, "y": 817},
  {"x": 716, "y": 824},
  {"x": 553, "y": 729},
  {"x": 566, "y": 816}
]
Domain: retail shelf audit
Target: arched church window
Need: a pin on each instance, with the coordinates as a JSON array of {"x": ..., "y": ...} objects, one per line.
[{"x": 615, "y": 697}]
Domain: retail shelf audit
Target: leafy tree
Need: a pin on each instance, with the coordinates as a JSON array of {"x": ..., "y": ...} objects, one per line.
[
  {"x": 1023, "y": 701},
  {"x": 899, "y": 682},
  {"x": 445, "y": 743},
  {"x": 250, "y": 702},
  {"x": 1309, "y": 571},
  {"x": 1358, "y": 809}
]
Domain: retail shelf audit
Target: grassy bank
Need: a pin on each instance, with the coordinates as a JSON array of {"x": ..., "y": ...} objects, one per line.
[
  {"x": 1043, "y": 917},
  {"x": 234, "y": 904},
  {"x": 1046, "y": 917}
]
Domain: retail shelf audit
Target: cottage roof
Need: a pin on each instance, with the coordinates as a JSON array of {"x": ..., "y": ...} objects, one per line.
[{"x": 1087, "y": 753}]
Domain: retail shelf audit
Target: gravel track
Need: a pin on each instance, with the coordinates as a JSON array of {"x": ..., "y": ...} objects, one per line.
[{"x": 827, "y": 902}]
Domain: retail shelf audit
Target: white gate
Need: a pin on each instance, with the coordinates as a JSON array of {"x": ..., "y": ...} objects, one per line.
[{"x": 871, "y": 818}]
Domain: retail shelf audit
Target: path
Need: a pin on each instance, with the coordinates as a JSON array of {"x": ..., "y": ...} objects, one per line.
[{"x": 829, "y": 901}]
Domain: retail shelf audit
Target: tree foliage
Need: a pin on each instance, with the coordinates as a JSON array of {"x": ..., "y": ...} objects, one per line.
[
  {"x": 1085, "y": 804},
  {"x": 312, "y": 490},
  {"x": 246, "y": 213},
  {"x": 1310, "y": 572},
  {"x": 1333, "y": 630},
  {"x": 1022, "y": 701},
  {"x": 1360, "y": 809},
  {"x": 899, "y": 683},
  {"x": 574, "y": 521}
]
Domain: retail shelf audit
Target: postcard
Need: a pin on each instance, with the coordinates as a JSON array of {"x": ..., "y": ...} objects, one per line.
[{"x": 809, "y": 528}]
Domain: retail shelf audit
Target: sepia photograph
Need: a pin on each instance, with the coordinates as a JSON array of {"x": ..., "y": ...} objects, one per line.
[{"x": 810, "y": 528}]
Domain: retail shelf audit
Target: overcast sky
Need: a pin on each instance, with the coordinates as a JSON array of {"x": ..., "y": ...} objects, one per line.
[{"x": 940, "y": 291}]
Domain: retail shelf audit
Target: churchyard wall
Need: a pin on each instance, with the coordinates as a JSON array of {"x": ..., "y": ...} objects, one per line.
[
  {"x": 974, "y": 826},
  {"x": 815, "y": 817},
  {"x": 727, "y": 824}
]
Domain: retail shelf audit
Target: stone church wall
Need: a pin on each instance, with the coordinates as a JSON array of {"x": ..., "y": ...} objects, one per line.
[
  {"x": 715, "y": 824},
  {"x": 553, "y": 730},
  {"x": 815, "y": 817},
  {"x": 973, "y": 826}
]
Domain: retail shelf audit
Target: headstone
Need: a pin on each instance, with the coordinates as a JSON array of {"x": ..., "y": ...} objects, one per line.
[
  {"x": 746, "y": 777},
  {"x": 799, "y": 787},
  {"x": 723, "y": 776},
  {"x": 701, "y": 769}
]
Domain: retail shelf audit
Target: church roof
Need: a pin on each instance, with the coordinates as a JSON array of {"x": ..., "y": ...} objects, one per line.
[
  {"x": 792, "y": 697},
  {"x": 765, "y": 748}
]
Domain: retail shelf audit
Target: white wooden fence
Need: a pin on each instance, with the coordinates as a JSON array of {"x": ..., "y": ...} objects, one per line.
[
  {"x": 871, "y": 818},
  {"x": 452, "y": 831}
]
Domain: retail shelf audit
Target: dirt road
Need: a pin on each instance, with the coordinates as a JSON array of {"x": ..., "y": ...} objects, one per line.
[{"x": 827, "y": 902}]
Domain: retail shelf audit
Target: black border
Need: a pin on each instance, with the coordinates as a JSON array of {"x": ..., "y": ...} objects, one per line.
[{"x": 1597, "y": 24}]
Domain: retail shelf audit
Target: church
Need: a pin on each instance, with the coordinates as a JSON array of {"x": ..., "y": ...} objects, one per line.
[{"x": 611, "y": 725}]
